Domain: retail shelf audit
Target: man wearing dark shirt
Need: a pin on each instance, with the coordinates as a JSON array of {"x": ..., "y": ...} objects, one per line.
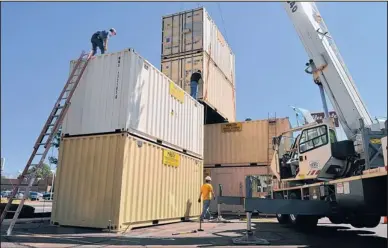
[
  {"x": 194, "y": 80},
  {"x": 100, "y": 39}
]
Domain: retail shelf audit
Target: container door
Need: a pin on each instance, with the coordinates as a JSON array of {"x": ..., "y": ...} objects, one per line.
[
  {"x": 176, "y": 34},
  {"x": 198, "y": 30},
  {"x": 167, "y": 36},
  {"x": 188, "y": 70},
  {"x": 187, "y": 32},
  {"x": 140, "y": 110}
]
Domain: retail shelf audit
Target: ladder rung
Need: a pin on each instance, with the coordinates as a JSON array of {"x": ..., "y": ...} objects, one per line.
[
  {"x": 63, "y": 98},
  {"x": 51, "y": 125},
  {"x": 39, "y": 154},
  {"x": 42, "y": 144},
  {"x": 55, "y": 116},
  {"x": 59, "y": 107}
]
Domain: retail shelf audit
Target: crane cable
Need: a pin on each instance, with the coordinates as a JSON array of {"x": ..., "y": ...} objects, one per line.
[{"x": 223, "y": 22}]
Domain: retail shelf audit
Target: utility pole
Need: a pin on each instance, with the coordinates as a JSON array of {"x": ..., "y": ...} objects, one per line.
[{"x": 2, "y": 165}]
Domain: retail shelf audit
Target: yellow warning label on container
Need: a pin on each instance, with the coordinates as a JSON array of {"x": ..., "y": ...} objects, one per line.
[
  {"x": 176, "y": 92},
  {"x": 375, "y": 141},
  {"x": 171, "y": 158},
  {"x": 231, "y": 127}
]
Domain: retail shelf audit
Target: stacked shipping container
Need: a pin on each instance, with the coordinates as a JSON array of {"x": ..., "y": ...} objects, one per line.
[
  {"x": 233, "y": 151},
  {"x": 191, "y": 42},
  {"x": 123, "y": 181},
  {"x": 131, "y": 137},
  {"x": 240, "y": 143},
  {"x": 124, "y": 92}
]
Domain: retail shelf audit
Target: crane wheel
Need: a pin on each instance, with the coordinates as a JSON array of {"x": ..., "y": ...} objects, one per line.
[
  {"x": 302, "y": 222},
  {"x": 336, "y": 219},
  {"x": 365, "y": 221},
  {"x": 283, "y": 219}
]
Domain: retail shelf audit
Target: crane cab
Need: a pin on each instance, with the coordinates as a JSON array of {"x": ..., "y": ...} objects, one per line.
[{"x": 315, "y": 153}]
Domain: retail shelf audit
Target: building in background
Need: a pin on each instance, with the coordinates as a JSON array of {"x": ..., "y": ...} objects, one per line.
[{"x": 42, "y": 185}]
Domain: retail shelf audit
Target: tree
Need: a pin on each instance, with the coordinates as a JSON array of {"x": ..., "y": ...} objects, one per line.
[
  {"x": 43, "y": 172},
  {"x": 55, "y": 144}
]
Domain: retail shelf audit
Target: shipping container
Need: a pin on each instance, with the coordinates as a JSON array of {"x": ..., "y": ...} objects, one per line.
[
  {"x": 384, "y": 148},
  {"x": 123, "y": 181},
  {"x": 194, "y": 31},
  {"x": 124, "y": 92},
  {"x": 241, "y": 143},
  {"x": 214, "y": 89},
  {"x": 232, "y": 180}
]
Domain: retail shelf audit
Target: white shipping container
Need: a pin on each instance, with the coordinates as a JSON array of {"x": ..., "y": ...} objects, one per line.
[
  {"x": 124, "y": 92},
  {"x": 215, "y": 89},
  {"x": 194, "y": 30}
]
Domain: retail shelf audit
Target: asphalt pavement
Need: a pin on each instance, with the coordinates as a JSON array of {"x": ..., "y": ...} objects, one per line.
[{"x": 214, "y": 235}]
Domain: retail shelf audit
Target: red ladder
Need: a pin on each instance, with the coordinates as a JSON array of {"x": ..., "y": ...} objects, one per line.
[{"x": 44, "y": 141}]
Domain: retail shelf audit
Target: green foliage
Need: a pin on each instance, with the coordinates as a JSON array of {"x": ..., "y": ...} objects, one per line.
[
  {"x": 57, "y": 138},
  {"x": 56, "y": 142},
  {"x": 43, "y": 172}
]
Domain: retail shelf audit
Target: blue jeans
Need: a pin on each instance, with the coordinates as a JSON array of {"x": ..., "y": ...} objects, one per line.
[
  {"x": 205, "y": 209},
  {"x": 97, "y": 43},
  {"x": 193, "y": 89}
]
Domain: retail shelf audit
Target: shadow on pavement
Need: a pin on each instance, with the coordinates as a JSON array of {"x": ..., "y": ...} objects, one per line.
[{"x": 217, "y": 235}]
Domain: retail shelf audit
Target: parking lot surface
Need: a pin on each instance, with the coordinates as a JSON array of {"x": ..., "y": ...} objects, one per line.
[{"x": 214, "y": 235}]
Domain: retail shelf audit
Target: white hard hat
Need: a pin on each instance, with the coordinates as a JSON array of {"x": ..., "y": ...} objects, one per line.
[
  {"x": 112, "y": 30},
  {"x": 208, "y": 178}
]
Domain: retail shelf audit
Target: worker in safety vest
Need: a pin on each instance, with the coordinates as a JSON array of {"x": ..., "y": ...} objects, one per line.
[
  {"x": 206, "y": 193},
  {"x": 100, "y": 39},
  {"x": 194, "y": 81}
]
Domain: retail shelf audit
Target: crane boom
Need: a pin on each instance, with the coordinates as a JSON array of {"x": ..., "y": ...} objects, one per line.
[{"x": 332, "y": 72}]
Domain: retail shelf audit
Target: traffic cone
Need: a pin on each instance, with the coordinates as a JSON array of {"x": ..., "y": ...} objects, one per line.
[{"x": 384, "y": 220}]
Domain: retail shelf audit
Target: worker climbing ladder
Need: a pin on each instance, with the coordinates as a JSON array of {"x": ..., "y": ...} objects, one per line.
[{"x": 44, "y": 141}]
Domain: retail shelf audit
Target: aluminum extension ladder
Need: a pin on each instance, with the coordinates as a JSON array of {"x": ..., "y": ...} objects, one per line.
[{"x": 44, "y": 141}]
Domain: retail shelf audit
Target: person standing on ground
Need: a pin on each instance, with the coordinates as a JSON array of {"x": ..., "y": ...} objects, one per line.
[
  {"x": 100, "y": 39},
  {"x": 194, "y": 80},
  {"x": 206, "y": 192}
]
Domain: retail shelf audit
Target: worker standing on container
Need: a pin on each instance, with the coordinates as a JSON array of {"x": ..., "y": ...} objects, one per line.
[
  {"x": 100, "y": 39},
  {"x": 194, "y": 81},
  {"x": 206, "y": 193}
]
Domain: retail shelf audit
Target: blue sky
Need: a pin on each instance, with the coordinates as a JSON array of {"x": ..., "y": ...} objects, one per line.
[{"x": 39, "y": 39}]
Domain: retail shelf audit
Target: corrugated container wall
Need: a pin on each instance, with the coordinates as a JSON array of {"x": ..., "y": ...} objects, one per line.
[
  {"x": 232, "y": 180},
  {"x": 194, "y": 30},
  {"x": 124, "y": 179},
  {"x": 214, "y": 89},
  {"x": 122, "y": 91},
  {"x": 240, "y": 143}
]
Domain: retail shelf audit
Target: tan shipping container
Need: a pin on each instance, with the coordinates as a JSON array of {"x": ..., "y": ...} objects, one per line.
[
  {"x": 194, "y": 31},
  {"x": 241, "y": 143},
  {"x": 232, "y": 180},
  {"x": 214, "y": 89},
  {"x": 124, "y": 181}
]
